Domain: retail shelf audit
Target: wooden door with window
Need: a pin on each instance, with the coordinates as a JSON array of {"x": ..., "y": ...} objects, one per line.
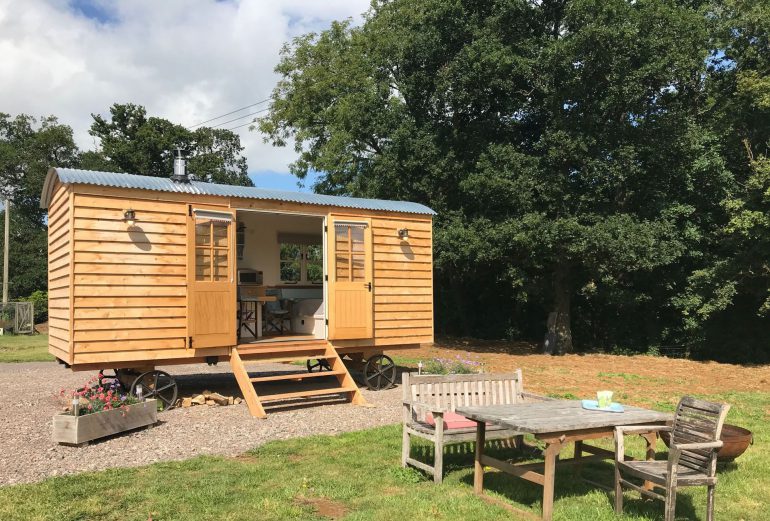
[
  {"x": 211, "y": 287},
  {"x": 350, "y": 291}
]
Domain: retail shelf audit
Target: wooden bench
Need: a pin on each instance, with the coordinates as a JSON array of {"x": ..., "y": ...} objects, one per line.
[{"x": 438, "y": 395}]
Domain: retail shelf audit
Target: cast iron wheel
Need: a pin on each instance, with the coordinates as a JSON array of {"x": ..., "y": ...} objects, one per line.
[
  {"x": 158, "y": 385},
  {"x": 380, "y": 372},
  {"x": 317, "y": 365}
]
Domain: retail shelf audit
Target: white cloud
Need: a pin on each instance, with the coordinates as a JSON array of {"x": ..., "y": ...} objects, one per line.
[{"x": 187, "y": 61}]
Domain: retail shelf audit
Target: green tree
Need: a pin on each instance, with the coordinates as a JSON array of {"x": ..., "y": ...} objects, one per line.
[
  {"x": 132, "y": 142},
  {"x": 558, "y": 140},
  {"x": 27, "y": 150},
  {"x": 727, "y": 301}
]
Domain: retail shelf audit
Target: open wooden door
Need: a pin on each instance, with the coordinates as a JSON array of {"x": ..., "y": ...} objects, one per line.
[
  {"x": 211, "y": 277},
  {"x": 350, "y": 292}
]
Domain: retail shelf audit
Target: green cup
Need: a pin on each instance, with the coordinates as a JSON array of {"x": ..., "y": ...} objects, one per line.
[{"x": 604, "y": 398}]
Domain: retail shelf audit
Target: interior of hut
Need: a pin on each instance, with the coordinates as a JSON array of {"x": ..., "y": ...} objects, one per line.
[{"x": 280, "y": 261}]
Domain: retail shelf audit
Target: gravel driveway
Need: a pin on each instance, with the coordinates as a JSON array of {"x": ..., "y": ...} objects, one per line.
[{"x": 27, "y": 405}]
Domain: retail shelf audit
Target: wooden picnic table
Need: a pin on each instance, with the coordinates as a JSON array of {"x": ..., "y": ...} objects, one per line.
[{"x": 557, "y": 423}]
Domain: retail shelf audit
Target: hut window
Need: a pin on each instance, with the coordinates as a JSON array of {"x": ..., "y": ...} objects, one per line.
[
  {"x": 291, "y": 262},
  {"x": 212, "y": 261},
  {"x": 301, "y": 263},
  {"x": 349, "y": 251}
]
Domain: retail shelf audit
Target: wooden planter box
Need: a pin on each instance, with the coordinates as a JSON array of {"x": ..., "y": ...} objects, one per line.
[{"x": 74, "y": 430}]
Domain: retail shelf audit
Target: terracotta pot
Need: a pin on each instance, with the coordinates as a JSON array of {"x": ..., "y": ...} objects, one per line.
[{"x": 736, "y": 440}]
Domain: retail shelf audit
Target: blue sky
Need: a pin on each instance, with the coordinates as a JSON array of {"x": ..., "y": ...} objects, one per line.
[
  {"x": 94, "y": 10},
  {"x": 282, "y": 180}
]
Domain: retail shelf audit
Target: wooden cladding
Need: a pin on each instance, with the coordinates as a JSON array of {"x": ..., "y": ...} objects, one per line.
[
  {"x": 129, "y": 295},
  {"x": 121, "y": 293},
  {"x": 60, "y": 274},
  {"x": 403, "y": 281}
]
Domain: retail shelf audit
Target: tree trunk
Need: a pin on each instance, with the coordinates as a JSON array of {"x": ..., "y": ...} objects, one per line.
[{"x": 558, "y": 339}]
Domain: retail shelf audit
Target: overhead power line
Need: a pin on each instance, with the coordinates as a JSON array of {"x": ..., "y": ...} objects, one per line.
[
  {"x": 231, "y": 112},
  {"x": 239, "y": 117},
  {"x": 239, "y": 126}
]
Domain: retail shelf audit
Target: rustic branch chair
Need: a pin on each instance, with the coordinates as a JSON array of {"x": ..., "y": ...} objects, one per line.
[
  {"x": 439, "y": 395},
  {"x": 692, "y": 457}
]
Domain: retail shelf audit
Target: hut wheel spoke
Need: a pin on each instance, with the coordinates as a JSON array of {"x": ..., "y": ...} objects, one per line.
[{"x": 159, "y": 385}]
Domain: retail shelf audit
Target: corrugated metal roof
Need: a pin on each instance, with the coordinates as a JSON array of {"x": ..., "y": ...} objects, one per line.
[{"x": 165, "y": 184}]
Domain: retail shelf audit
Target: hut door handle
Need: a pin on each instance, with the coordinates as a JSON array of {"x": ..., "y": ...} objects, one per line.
[{"x": 368, "y": 286}]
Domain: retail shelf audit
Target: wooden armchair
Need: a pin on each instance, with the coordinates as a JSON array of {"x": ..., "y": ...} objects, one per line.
[
  {"x": 692, "y": 457},
  {"x": 429, "y": 411}
]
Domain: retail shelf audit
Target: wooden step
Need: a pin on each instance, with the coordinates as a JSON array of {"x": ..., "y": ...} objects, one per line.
[
  {"x": 306, "y": 393},
  {"x": 262, "y": 343},
  {"x": 290, "y": 352},
  {"x": 272, "y": 348},
  {"x": 294, "y": 376},
  {"x": 268, "y": 359}
]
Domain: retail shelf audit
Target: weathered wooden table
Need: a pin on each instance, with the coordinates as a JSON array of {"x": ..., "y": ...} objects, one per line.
[{"x": 557, "y": 423}]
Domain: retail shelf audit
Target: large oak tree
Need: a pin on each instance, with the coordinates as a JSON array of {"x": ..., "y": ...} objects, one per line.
[{"x": 559, "y": 140}]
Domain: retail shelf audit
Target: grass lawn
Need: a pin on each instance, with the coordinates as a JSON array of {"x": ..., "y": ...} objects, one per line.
[
  {"x": 357, "y": 477},
  {"x": 24, "y": 348}
]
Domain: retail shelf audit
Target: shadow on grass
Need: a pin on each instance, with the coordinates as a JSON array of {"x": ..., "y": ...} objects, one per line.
[
  {"x": 474, "y": 345},
  {"x": 526, "y": 495}
]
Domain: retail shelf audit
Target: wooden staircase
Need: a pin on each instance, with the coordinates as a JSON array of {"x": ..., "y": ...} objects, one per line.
[{"x": 292, "y": 351}]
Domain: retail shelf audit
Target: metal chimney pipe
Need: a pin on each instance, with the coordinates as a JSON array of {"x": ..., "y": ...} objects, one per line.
[{"x": 180, "y": 168}]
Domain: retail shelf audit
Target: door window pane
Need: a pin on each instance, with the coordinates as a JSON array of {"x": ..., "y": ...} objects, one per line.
[
  {"x": 343, "y": 267},
  {"x": 211, "y": 251},
  {"x": 342, "y": 242},
  {"x": 202, "y": 233},
  {"x": 220, "y": 233},
  {"x": 202, "y": 264},
  {"x": 357, "y": 238},
  {"x": 221, "y": 271},
  {"x": 359, "y": 273}
]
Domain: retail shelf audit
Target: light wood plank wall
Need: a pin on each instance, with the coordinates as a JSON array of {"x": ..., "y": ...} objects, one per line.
[
  {"x": 129, "y": 283},
  {"x": 60, "y": 273},
  {"x": 403, "y": 281},
  {"x": 116, "y": 293}
]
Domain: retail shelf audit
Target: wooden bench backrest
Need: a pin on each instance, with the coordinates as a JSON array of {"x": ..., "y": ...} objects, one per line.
[
  {"x": 698, "y": 421},
  {"x": 458, "y": 390}
]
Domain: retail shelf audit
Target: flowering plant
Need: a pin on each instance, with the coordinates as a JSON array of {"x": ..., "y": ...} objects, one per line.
[
  {"x": 458, "y": 365},
  {"x": 99, "y": 395}
]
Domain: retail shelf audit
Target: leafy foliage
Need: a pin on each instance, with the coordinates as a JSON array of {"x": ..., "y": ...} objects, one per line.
[
  {"x": 27, "y": 150},
  {"x": 135, "y": 143},
  {"x": 39, "y": 301},
  {"x": 571, "y": 150}
]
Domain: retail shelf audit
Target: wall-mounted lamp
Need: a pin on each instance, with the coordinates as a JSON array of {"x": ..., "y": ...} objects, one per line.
[
  {"x": 130, "y": 217},
  {"x": 403, "y": 234}
]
